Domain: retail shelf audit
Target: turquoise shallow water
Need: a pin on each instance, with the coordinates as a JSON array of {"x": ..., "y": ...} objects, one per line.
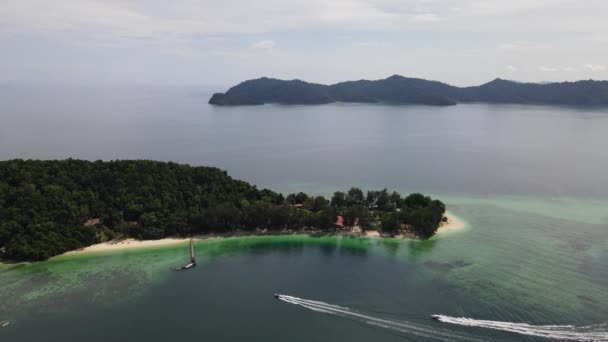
[{"x": 508, "y": 265}]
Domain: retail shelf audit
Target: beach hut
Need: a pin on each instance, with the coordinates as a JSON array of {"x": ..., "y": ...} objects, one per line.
[{"x": 340, "y": 221}]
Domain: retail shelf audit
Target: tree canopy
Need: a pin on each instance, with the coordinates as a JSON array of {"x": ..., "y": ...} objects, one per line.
[{"x": 50, "y": 207}]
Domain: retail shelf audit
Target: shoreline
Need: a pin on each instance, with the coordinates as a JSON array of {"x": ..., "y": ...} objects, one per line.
[
  {"x": 130, "y": 243},
  {"x": 453, "y": 224}
]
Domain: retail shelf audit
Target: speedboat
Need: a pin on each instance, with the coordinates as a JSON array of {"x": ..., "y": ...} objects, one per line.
[
  {"x": 276, "y": 296},
  {"x": 435, "y": 317}
]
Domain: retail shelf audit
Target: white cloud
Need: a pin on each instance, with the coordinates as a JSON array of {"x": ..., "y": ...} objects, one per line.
[
  {"x": 366, "y": 44},
  {"x": 521, "y": 46},
  {"x": 139, "y": 17},
  {"x": 349, "y": 12},
  {"x": 595, "y": 67},
  {"x": 488, "y": 7},
  {"x": 508, "y": 46},
  {"x": 264, "y": 44},
  {"x": 410, "y": 37},
  {"x": 425, "y": 17},
  {"x": 569, "y": 69},
  {"x": 547, "y": 69}
]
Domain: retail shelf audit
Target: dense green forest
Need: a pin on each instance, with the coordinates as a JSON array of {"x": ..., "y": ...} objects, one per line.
[
  {"x": 50, "y": 207},
  {"x": 403, "y": 90}
]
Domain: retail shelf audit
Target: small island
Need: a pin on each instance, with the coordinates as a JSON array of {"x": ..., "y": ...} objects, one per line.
[
  {"x": 414, "y": 91},
  {"x": 51, "y": 207}
]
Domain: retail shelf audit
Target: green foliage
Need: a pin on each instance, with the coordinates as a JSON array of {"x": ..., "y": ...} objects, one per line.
[
  {"x": 44, "y": 205},
  {"x": 365, "y": 219},
  {"x": 382, "y": 200},
  {"x": 338, "y": 200},
  {"x": 425, "y": 221},
  {"x": 395, "y": 198},
  {"x": 325, "y": 219},
  {"x": 291, "y": 199},
  {"x": 390, "y": 222},
  {"x": 416, "y": 201},
  {"x": 301, "y": 198},
  {"x": 354, "y": 197},
  {"x": 351, "y": 215},
  {"x": 423, "y": 214},
  {"x": 320, "y": 203}
]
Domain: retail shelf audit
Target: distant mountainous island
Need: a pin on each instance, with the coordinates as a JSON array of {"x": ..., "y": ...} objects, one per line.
[{"x": 402, "y": 90}]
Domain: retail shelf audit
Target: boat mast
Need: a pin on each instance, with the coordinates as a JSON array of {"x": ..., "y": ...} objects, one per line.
[{"x": 192, "y": 257}]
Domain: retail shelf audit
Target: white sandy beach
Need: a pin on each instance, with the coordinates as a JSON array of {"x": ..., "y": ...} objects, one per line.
[
  {"x": 128, "y": 244},
  {"x": 453, "y": 224}
]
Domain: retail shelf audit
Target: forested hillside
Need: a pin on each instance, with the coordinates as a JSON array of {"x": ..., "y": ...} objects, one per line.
[
  {"x": 404, "y": 90},
  {"x": 50, "y": 207}
]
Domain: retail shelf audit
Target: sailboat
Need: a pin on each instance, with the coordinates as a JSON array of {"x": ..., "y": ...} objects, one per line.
[{"x": 192, "y": 262}]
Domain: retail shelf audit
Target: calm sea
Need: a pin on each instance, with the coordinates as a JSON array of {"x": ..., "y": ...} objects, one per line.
[{"x": 530, "y": 181}]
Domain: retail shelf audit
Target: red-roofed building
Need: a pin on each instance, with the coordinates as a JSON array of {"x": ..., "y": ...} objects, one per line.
[{"x": 340, "y": 221}]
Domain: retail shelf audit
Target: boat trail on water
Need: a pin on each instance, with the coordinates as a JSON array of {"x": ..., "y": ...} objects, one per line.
[{"x": 590, "y": 333}]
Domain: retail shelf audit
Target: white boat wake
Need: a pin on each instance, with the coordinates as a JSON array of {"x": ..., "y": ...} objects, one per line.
[
  {"x": 394, "y": 325},
  {"x": 592, "y": 333}
]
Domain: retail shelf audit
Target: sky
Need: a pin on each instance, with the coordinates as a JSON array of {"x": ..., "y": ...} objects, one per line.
[{"x": 223, "y": 42}]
